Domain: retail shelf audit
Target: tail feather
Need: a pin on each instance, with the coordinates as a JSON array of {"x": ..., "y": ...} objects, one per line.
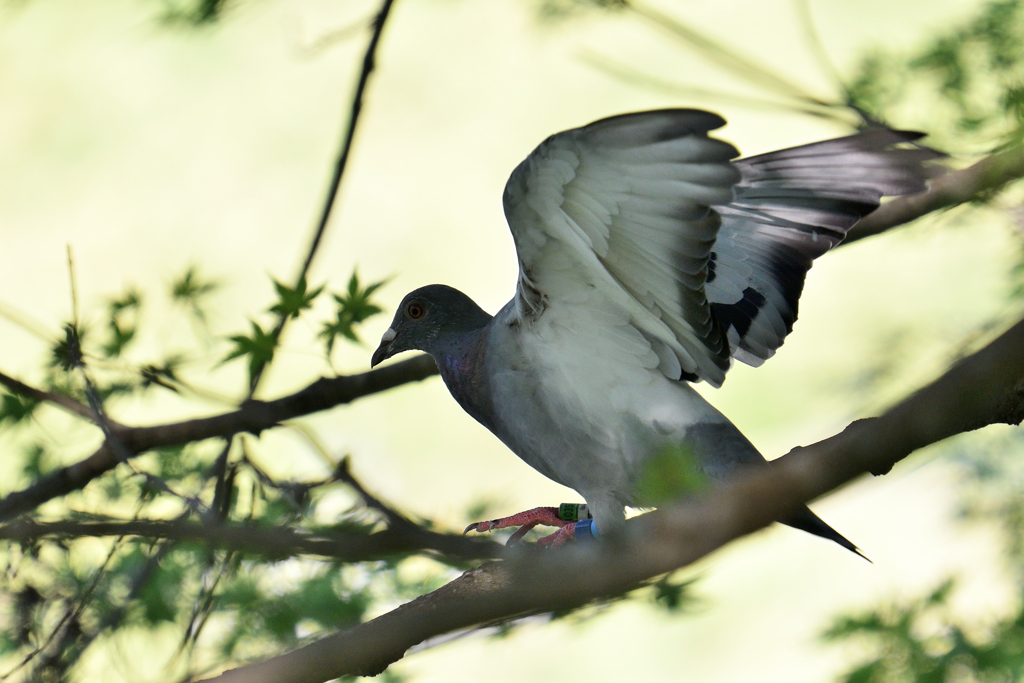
[{"x": 805, "y": 520}]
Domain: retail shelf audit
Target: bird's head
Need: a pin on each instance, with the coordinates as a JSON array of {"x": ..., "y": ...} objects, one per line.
[{"x": 428, "y": 319}]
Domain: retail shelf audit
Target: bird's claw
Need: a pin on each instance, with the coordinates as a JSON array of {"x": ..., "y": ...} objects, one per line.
[
  {"x": 481, "y": 527},
  {"x": 548, "y": 516}
]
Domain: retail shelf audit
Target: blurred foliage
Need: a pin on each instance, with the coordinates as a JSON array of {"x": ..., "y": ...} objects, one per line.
[
  {"x": 922, "y": 641},
  {"x": 965, "y": 86},
  {"x": 63, "y": 595},
  {"x": 674, "y": 596},
  {"x": 195, "y": 13},
  {"x": 671, "y": 474},
  {"x": 192, "y": 291},
  {"x": 927, "y": 639},
  {"x": 565, "y": 9}
]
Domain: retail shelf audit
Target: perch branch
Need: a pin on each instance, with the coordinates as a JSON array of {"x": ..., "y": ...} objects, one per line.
[{"x": 982, "y": 389}]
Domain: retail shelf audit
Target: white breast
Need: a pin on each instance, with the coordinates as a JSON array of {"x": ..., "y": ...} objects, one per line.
[{"x": 579, "y": 397}]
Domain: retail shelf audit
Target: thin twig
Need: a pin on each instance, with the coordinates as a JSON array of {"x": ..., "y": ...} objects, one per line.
[
  {"x": 116, "y": 444},
  {"x": 369, "y": 62},
  {"x": 25, "y": 322},
  {"x": 394, "y": 517},
  {"x": 74, "y": 288},
  {"x": 753, "y": 72},
  {"x": 70, "y": 614},
  {"x": 635, "y": 78},
  {"x": 814, "y": 42}
]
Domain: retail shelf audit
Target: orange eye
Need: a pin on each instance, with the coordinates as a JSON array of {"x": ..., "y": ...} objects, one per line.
[{"x": 415, "y": 310}]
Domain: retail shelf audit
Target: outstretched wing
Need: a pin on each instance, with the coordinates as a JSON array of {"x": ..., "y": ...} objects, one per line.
[
  {"x": 624, "y": 205},
  {"x": 790, "y": 207}
]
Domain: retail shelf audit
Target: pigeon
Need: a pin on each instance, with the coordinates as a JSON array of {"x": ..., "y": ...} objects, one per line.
[{"x": 650, "y": 259}]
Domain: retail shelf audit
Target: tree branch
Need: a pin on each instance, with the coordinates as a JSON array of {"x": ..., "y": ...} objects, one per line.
[
  {"x": 66, "y": 402},
  {"x": 958, "y": 187},
  {"x": 268, "y": 541},
  {"x": 369, "y": 63},
  {"x": 973, "y": 393},
  {"x": 252, "y": 416}
]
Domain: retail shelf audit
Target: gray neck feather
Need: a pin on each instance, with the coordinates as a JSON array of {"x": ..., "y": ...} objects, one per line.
[{"x": 462, "y": 360}]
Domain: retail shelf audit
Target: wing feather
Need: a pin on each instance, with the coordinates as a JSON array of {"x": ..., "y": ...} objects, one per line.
[
  {"x": 791, "y": 206},
  {"x": 628, "y": 199},
  {"x": 705, "y": 256}
]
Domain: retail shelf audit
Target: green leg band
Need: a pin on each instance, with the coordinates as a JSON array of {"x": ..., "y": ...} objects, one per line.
[{"x": 573, "y": 512}]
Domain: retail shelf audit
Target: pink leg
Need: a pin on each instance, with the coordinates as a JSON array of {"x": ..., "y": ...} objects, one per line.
[
  {"x": 564, "y": 535},
  {"x": 547, "y": 516}
]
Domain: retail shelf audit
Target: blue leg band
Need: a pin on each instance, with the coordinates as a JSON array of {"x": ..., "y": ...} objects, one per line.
[{"x": 585, "y": 529}]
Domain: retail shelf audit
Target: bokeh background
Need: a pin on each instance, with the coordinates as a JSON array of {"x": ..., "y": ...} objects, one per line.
[{"x": 147, "y": 146}]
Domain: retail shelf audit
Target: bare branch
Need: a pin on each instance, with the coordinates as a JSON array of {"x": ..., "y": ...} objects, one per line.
[
  {"x": 369, "y": 63},
  {"x": 973, "y": 393},
  {"x": 252, "y": 416},
  {"x": 395, "y": 519},
  {"x": 66, "y": 402},
  {"x": 958, "y": 187},
  {"x": 268, "y": 541},
  {"x": 753, "y": 71}
]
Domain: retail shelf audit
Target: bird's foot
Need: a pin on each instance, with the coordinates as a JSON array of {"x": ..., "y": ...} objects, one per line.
[
  {"x": 570, "y": 532},
  {"x": 565, "y": 516}
]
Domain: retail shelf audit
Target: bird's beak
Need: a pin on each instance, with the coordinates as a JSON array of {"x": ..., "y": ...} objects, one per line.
[{"x": 382, "y": 352}]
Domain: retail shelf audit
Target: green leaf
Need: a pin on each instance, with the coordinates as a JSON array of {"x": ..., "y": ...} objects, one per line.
[
  {"x": 319, "y": 600},
  {"x": 37, "y": 462},
  {"x": 67, "y": 353},
  {"x": 15, "y": 409},
  {"x": 670, "y": 474},
  {"x": 258, "y": 348},
  {"x": 672, "y": 596},
  {"x": 291, "y": 302},
  {"x": 159, "y": 595},
  {"x": 354, "y": 306},
  {"x": 164, "y": 375},
  {"x": 191, "y": 291},
  {"x": 119, "y": 338},
  {"x": 177, "y": 462},
  {"x": 121, "y": 331},
  {"x": 194, "y": 13}
]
